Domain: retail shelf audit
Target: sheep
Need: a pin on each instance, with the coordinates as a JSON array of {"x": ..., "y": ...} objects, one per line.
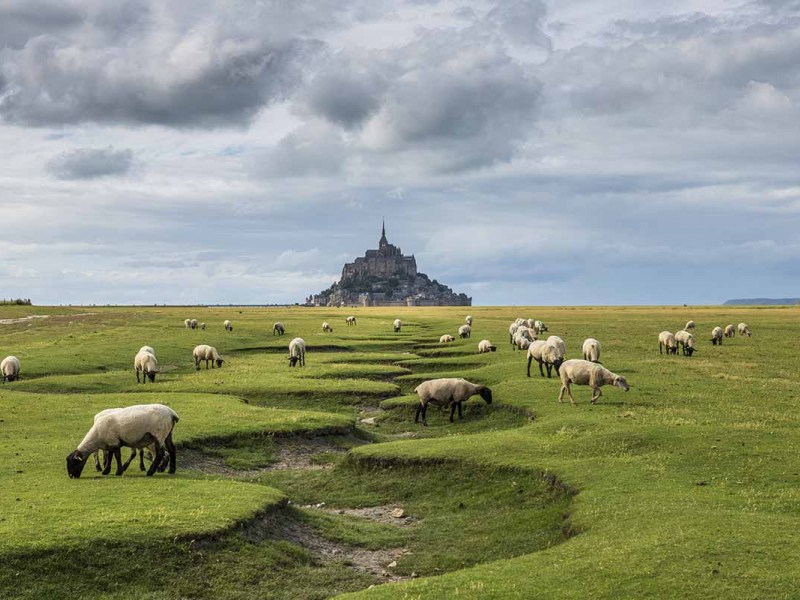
[
  {"x": 277, "y": 329},
  {"x": 203, "y": 326},
  {"x": 465, "y": 331},
  {"x": 523, "y": 343},
  {"x": 10, "y": 368},
  {"x": 147, "y": 349},
  {"x": 188, "y": 323},
  {"x": 591, "y": 350},
  {"x": 469, "y": 320},
  {"x": 689, "y": 325},
  {"x": 486, "y": 346},
  {"x": 545, "y": 353},
  {"x": 297, "y": 352},
  {"x": 326, "y": 327},
  {"x": 558, "y": 343},
  {"x": 194, "y": 323},
  {"x": 519, "y": 321},
  {"x": 351, "y": 320},
  {"x": 539, "y": 327},
  {"x": 397, "y": 324},
  {"x": 686, "y": 340},
  {"x": 716, "y": 336},
  {"x": 730, "y": 331},
  {"x": 136, "y": 426},
  {"x": 228, "y": 325},
  {"x": 446, "y": 339},
  {"x": 162, "y": 467},
  {"x": 522, "y": 334},
  {"x": 448, "y": 392},
  {"x": 146, "y": 363},
  {"x": 583, "y": 372},
  {"x": 206, "y": 353},
  {"x": 744, "y": 330},
  {"x": 529, "y": 323},
  {"x": 668, "y": 341},
  {"x": 512, "y": 330}
]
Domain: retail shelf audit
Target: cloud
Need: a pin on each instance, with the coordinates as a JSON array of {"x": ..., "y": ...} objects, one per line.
[{"x": 91, "y": 163}]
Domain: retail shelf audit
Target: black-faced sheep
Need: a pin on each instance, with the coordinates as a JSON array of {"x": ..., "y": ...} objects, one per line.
[
  {"x": 326, "y": 328},
  {"x": 297, "y": 352},
  {"x": 686, "y": 341},
  {"x": 465, "y": 331},
  {"x": 277, "y": 329},
  {"x": 486, "y": 346},
  {"x": 145, "y": 363},
  {"x": 351, "y": 320},
  {"x": 448, "y": 392},
  {"x": 583, "y": 372},
  {"x": 744, "y": 330},
  {"x": 546, "y": 354},
  {"x": 716, "y": 336},
  {"x": 10, "y": 368},
  {"x": 397, "y": 325},
  {"x": 228, "y": 325},
  {"x": 207, "y": 353},
  {"x": 668, "y": 341},
  {"x": 446, "y": 339}
]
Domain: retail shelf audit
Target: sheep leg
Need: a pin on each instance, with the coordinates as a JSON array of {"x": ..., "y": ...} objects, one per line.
[
  {"x": 549, "y": 371},
  {"x": 460, "y": 412},
  {"x": 173, "y": 455},
  {"x": 416, "y": 415},
  {"x": 530, "y": 359},
  {"x": 137, "y": 375},
  {"x": 141, "y": 460},
  {"x": 118, "y": 457},
  {"x": 97, "y": 460},
  {"x": 597, "y": 393},
  {"x": 660, "y": 351},
  {"x": 452, "y": 410},
  {"x": 541, "y": 372},
  {"x": 561, "y": 394},
  {"x": 107, "y": 461},
  {"x": 130, "y": 460},
  {"x": 197, "y": 364},
  {"x": 158, "y": 458},
  {"x": 425, "y": 415}
]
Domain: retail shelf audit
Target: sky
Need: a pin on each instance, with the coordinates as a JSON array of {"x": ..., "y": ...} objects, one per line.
[{"x": 526, "y": 152}]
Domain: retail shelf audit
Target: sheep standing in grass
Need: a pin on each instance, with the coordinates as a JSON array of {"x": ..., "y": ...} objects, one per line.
[
  {"x": 297, "y": 352},
  {"x": 137, "y": 426},
  {"x": 523, "y": 334},
  {"x": 486, "y": 346},
  {"x": 448, "y": 392},
  {"x": 689, "y": 325},
  {"x": 583, "y": 372},
  {"x": 397, "y": 325},
  {"x": 686, "y": 340},
  {"x": 744, "y": 330},
  {"x": 469, "y": 320},
  {"x": 146, "y": 364},
  {"x": 716, "y": 336},
  {"x": 446, "y": 339},
  {"x": 207, "y": 353},
  {"x": 523, "y": 343},
  {"x": 194, "y": 323},
  {"x": 188, "y": 323},
  {"x": 147, "y": 349},
  {"x": 529, "y": 323},
  {"x": 465, "y": 331},
  {"x": 228, "y": 325},
  {"x": 203, "y": 326},
  {"x": 326, "y": 328},
  {"x": 512, "y": 330},
  {"x": 546, "y": 354},
  {"x": 351, "y": 320},
  {"x": 278, "y": 329},
  {"x": 10, "y": 368},
  {"x": 591, "y": 350},
  {"x": 107, "y": 460},
  {"x": 558, "y": 343},
  {"x": 539, "y": 327},
  {"x": 668, "y": 341},
  {"x": 730, "y": 331}
]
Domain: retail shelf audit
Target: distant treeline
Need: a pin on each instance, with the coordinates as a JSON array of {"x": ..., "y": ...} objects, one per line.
[
  {"x": 761, "y": 301},
  {"x": 17, "y": 302}
]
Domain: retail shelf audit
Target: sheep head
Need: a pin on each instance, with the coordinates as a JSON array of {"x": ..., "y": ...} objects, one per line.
[
  {"x": 486, "y": 394},
  {"x": 219, "y": 363},
  {"x": 293, "y": 360},
  {"x": 152, "y": 376},
  {"x": 619, "y": 381},
  {"x": 75, "y": 463}
]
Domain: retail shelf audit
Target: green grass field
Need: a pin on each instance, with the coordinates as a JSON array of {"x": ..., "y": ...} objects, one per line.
[{"x": 687, "y": 486}]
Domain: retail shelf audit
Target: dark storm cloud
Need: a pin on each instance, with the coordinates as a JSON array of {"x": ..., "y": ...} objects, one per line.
[{"x": 90, "y": 163}]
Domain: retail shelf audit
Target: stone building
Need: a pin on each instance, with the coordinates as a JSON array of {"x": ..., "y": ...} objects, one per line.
[{"x": 386, "y": 277}]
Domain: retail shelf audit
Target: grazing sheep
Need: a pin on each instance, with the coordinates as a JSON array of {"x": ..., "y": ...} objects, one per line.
[
  {"x": 529, "y": 323},
  {"x": 107, "y": 460},
  {"x": 351, "y": 320},
  {"x": 716, "y": 336},
  {"x": 469, "y": 320},
  {"x": 147, "y": 349},
  {"x": 689, "y": 325},
  {"x": 668, "y": 341},
  {"x": 203, "y": 326},
  {"x": 465, "y": 331},
  {"x": 523, "y": 343},
  {"x": 146, "y": 363},
  {"x": 10, "y": 368},
  {"x": 686, "y": 340},
  {"x": 547, "y": 354},
  {"x": 583, "y": 372},
  {"x": 591, "y": 350},
  {"x": 512, "y": 330},
  {"x": 194, "y": 323},
  {"x": 228, "y": 325},
  {"x": 297, "y": 352},
  {"x": 448, "y": 392},
  {"x": 558, "y": 343},
  {"x": 730, "y": 331},
  {"x": 326, "y": 327},
  {"x": 744, "y": 330},
  {"x": 446, "y": 339},
  {"x": 486, "y": 346},
  {"x": 278, "y": 329},
  {"x": 397, "y": 324},
  {"x": 520, "y": 321},
  {"x": 206, "y": 353},
  {"x": 539, "y": 327},
  {"x": 188, "y": 323},
  {"x": 137, "y": 426},
  {"x": 523, "y": 335}
]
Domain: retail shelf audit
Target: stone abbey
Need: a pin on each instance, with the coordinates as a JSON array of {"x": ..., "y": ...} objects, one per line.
[{"x": 386, "y": 277}]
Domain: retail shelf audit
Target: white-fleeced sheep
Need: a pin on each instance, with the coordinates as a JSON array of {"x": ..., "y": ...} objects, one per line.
[
  {"x": 523, "y": 334},
  {"x": 203, "y": 326},
  {"x": 147, "y": 349},
  {"x": 107, "y": 459},
  {"x": 730, "y": 331},
  {"x": 686, "y": 341},
  {"x": 326, "y": 327},
  {"x": 351, "y": 320},
  {"x": 486, "y": 346},
  {"x": 397, "y": 325},
  {"x": 689, "y": 325},
  {"x": 146, "y": 364},
  {"x": 277, "y": 329},
  {"x": 583, "y": 372},
  {"x": 137, "y": 426},
  {"x": 546, "y": 354},
  {"x": 469, "y": 320},
  {"x": 716, "y": 336},
  {"x": 207, "y": 353},
  {"x": 297, "y": 352},
  {"x": 465, "y": 331},
  {"x": 446, "y": 339},
  {"x": 448, "y": 392},
  {"x": 591, "y": 350},
  {"x": 539, "y": 327},
  {"x": 558, "y": 343},
  {"x": 228, "y": 325},
  {"x": 188, "y": 323},
  {"x": 529, "y": 323},
  {"x": 523, "y": 343},
  {"x": 668, "y": 341},
  {"x": 10, "y": 368},
  {"x": 194, "y": 323},
  {"x": 744, "y": 330},
  {"x": 520, "y": 321},
  {"x": 512, "y": 330}
]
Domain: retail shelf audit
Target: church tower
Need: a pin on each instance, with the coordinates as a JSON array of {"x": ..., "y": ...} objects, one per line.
[{"x": 384, "y": 243}]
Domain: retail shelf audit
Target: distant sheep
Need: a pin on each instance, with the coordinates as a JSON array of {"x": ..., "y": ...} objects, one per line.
[
  {"x": 529, "y": 323},
  {"x": 188, "y": 323},
  {"x": 522, "y": 335},
  {"x": 591, "y": 350},
  {"x": 730, "y": 331},
  {"x": 689, "y": 325},
  {"x": 523, "y": 343},
  {"x": 10, "y": 368},
  {"x": 397, "y": 325},
  {"x": 207, "y": 353},
  {"x": 465, "y": 331},
  {"x": 448, "y": 392},
  {"x": 744, "y": 330},
  {"x": 194, "y": 323},
  {"x": 520, "y": 321},
  {"x": 228, "y": 325},
  {"x": 326, "y": 328},
  {"x": 558, "y": 343},
  {"x": 203, "y": 326},
  {"x": 546, "y": 354},
  {"x": 686, "y": 341},
  {"x": 512, "y": 330},
  {"x": 277, "y": 329},
  {"x": 297, "y": 352},
  {"x": 539, "y": 327},
  {"x": 446, "y": 339},
  {"x": 668, "y": 341},
  {"x": 137, "y": 426},
  {"x": 146, "y": 364},
  {"x": 583, "y": 372},
  {"x": 716, "y": 336},
  {"x": 469, "y": 320},
  {"x": 486, "y": 346},
  {"x": 351, "y": 320}
]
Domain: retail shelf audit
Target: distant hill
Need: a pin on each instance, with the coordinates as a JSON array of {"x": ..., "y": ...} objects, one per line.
[{"x": 746, "y": 301}]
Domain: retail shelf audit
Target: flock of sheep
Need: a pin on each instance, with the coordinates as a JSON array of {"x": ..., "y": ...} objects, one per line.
[{"x": 684, "y": 339}]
